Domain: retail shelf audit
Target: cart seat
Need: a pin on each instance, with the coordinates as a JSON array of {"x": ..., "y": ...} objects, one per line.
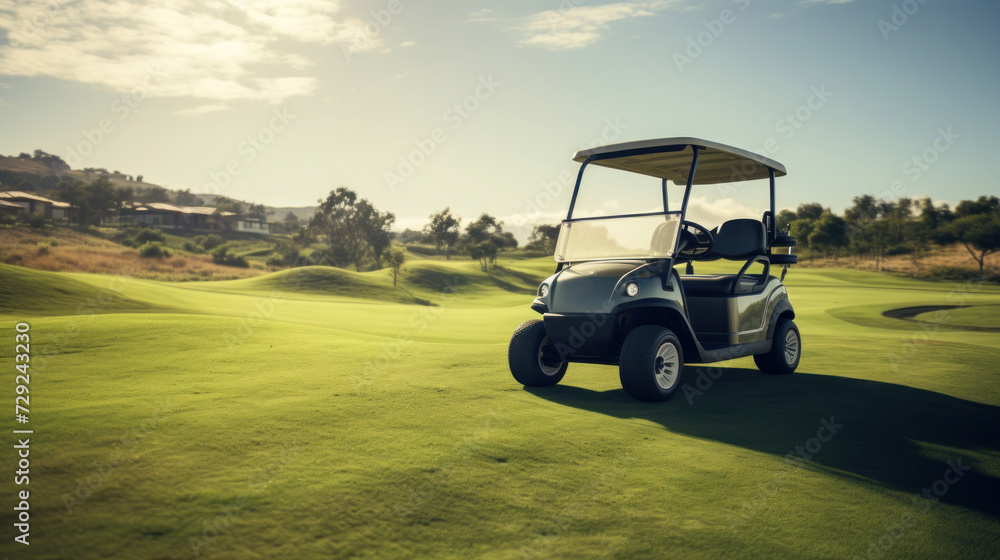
[{"x": 741, "y": 239}]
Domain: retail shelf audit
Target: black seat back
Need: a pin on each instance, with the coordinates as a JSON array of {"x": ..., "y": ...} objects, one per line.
[{"x": 740, "y": 239}]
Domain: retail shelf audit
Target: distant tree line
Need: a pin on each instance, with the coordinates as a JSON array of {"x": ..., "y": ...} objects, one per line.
[
  {"x": 875, "y": 228},
  {"x": 353, "y": 233}
]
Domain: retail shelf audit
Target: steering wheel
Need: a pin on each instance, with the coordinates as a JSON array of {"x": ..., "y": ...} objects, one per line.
[{"x": 696, "y": 245}]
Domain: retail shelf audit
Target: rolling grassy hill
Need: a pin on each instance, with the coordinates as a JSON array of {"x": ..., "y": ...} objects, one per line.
[{"x": 316, "y": 412}]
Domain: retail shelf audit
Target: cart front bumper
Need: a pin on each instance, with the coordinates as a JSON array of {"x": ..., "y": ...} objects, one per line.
[{"x": 585, "y": 337}]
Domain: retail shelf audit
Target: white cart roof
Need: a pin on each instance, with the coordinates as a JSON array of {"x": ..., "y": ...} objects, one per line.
[{"x": 670, "y": 158}]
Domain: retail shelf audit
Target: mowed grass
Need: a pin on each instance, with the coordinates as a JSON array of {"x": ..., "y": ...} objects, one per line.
[
  {"x": 319, "y": 413},
  {"x": 980, "y": 316}
]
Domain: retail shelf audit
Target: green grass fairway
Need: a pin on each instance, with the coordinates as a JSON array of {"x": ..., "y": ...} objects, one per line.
[
  {"x": 980, "y": 316},
  {"x": 320, "y": 413}
]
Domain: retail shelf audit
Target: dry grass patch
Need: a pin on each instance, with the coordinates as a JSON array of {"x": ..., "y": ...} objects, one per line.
[{"x": 67, "y": 250}]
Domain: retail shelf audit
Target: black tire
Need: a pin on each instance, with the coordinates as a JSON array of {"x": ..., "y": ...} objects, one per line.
[
  {"x": 525, "y": 356},
  {"x": 651, "y": 363},
  {"x": 786, "y": 349}
]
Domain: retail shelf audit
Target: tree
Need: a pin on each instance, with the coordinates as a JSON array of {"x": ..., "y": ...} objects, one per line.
[
  {"x": 443, "y": 230},
  {"x": 334, "y": 224},
  {"x": 869, "y": 231},
  {"x": 395, "y": 257},
  {"x": 543, "y": 238},
  {"x": 979, "y": 233},
  {"x": 810, "y": 211},
  {"x": 53, "y": 162},
  {"x": 375, "y": 228},
  {"x": 186, "y": 198},
  {"x": 982, "y": 205},
  {"x": 829, "y": 234},
  {"x": 224, "y": 204},
  {"x": 104, "y": 200},
  {"x": 122, "y": 196},
  {"x": 785, "y": 219},
  {"x": 286, "y": 253},
  {"x": 257, "y": 212},
  {"x": 138, "y": 178},
  {"x": 155, "y": 194},
  {"x": 485, "y": 238},
  {"x": 93, "y": 202},
  {"x": 410, "y": 236},
  {"x": 800, "y": 230},
  {"x": 75, "y": 193},
  {"x": 291, "y": 221}
]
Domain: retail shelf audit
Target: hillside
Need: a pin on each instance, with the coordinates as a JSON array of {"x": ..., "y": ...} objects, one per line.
[{"x": 34, "y": 176}]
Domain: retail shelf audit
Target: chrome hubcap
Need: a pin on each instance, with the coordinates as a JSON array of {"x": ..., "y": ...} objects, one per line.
[
  {"x": 547, "y": 367},
  {"x": 666, "y": 366},
  {"x": 791, "y": 347}
]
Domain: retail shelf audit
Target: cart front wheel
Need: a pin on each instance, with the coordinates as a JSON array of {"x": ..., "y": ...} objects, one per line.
[
  {"x": 532, "y": 359},
  {"x": 651, "y": 363}
]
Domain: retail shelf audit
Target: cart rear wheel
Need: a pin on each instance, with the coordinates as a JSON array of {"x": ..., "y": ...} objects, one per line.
[
  {"x": 786, "y": 349},
  {"x": 651, "y": 363},
  {"x": 532, "y": 359}
]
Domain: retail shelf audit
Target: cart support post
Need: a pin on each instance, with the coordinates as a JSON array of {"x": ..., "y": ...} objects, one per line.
[
  {"x": 576, "y": 189},
  {"x": 690, "y": 183}
]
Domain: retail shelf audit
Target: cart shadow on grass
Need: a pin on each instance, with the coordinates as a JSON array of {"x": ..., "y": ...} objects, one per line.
[{"x": 775, "y": 414}]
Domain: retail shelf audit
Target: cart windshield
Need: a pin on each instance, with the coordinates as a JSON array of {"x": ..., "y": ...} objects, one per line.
[{"x": 644, "y": 236}]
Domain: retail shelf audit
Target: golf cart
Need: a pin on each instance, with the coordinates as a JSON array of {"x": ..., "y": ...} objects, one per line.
[{"x": 616, "y": 297}]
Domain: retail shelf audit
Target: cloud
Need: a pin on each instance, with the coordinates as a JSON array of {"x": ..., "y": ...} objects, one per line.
[
  {"x": 202, "y": 110},
  {"x": 579, "y": 26},
  {"x": 220, "y": 51}
]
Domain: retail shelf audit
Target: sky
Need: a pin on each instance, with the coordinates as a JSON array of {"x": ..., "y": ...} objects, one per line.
[{"x": 479, "y": 106}]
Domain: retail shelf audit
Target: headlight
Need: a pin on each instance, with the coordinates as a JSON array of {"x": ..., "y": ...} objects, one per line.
[
  {"x": 543, "y": 290},
  {"x": 631, "y": 289}
]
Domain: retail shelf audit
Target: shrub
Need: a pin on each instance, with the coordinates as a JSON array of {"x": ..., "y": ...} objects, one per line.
[
  {"x": 192, "y": 247},
  {"x": 148, "y": 235},
  {"x": 210, "y": 241},
  {"x": 221, "y": 255},
  {"x": 153, "y": 250},
  {"x": 942, "y": 272},
  {"x": 275, "y": 260},
  {"x": 43, "y": 248},
  {"x": 36, "y": 221},
  {"x": 285, "y": 254}
]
